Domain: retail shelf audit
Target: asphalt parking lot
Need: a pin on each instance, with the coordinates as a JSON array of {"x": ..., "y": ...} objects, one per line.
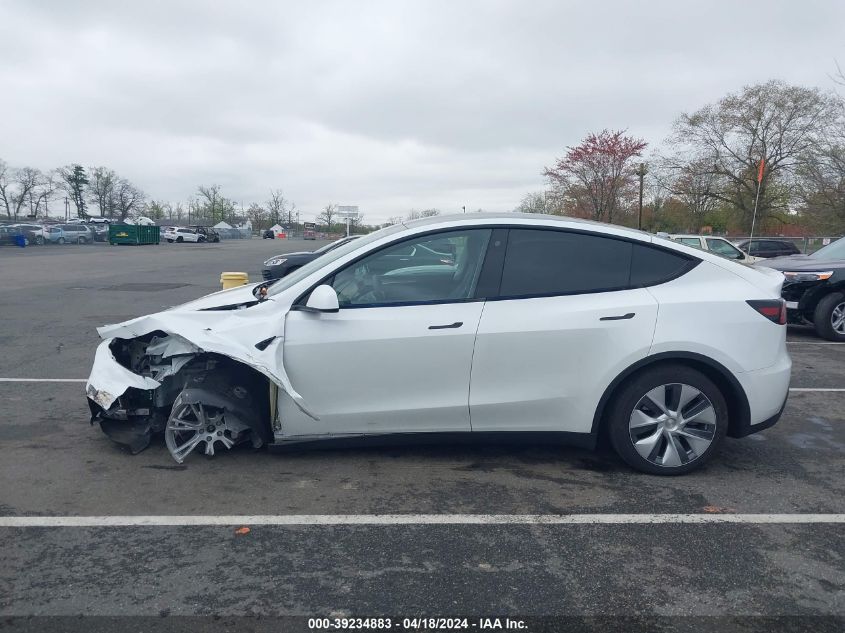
[{"x": 52, "y": 463}]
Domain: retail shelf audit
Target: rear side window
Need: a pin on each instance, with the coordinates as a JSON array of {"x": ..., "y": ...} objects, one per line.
[
  {"x": 544, "y": 262},
  {"x": 651, "y": 266}
]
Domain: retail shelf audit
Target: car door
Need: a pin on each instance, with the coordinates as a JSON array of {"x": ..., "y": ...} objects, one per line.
[
  {"x": 569, "y": 318},
  {"x": 397, "y": 355}
]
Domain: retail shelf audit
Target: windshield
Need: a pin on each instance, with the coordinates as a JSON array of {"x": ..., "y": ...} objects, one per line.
[
  {"x": 836, "y": 250},
  {"x": 301, "y": 273}
]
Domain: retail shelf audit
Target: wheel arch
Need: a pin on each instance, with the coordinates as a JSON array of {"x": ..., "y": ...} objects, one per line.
[
  {"x": 815, "y": 295},
  {"x": 739, "y": 410}
]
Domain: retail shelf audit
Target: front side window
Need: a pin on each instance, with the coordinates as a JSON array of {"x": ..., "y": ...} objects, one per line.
[
  {"x": 723, "y": 248},
  {"x": 443, "y": 267}
]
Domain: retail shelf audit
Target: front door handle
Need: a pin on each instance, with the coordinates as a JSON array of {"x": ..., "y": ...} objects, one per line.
[
  {"x": 620, "y": 317},
  {"x": 454, "y": 325}
]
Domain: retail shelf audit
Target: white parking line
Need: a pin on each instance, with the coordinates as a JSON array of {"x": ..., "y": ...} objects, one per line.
[
  {"x": 811, "y": 389},
  {"x": 411, "y": 519},
  {"x": 43, "y": 380},
  {"x": 813, "y": 343}
]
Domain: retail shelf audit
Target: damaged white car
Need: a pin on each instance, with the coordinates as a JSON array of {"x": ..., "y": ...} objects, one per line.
[{"x": 560, "y": 328}]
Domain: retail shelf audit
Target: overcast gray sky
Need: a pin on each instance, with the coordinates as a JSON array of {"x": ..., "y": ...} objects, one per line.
[{"x": 387, "y": 105}]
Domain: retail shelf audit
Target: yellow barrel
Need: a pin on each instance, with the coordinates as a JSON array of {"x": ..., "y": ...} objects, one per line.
[{"x": 233, "y": 280}]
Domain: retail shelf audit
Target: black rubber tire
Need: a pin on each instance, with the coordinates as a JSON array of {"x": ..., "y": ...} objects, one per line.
[
  {"x": 169, "y": 241},
  {"x": 61, "y": 240},
  {"x": 180, "y": 239},
  {"x": 39, "y": 240},
  {"x": 635, "y": 388},
  {"x": 822, "y": 314},
  {"x": 81, "y": 240},
  {"x": 200, "y": 239}
]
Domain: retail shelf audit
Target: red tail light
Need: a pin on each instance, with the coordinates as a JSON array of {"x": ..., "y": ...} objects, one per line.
[{"x": 774, "y": 310}]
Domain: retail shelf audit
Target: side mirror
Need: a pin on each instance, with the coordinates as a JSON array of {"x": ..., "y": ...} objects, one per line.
[{"x": 323, "y": 299}]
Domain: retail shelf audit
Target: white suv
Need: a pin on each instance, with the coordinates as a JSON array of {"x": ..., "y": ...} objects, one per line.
[
  {"x": 561, "y": 328},
  {"x": 718, "y": 245},
  {"x": 181, "y": 234}
]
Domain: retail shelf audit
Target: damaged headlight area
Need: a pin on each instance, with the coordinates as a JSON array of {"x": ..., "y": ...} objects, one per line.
[{"x": 164, "y": 384}]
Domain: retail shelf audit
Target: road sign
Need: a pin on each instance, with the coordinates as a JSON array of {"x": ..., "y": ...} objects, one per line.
[{"x": 347, "y": 212}]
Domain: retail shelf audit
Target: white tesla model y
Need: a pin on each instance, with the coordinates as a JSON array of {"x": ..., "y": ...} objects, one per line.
[{"x": 479, "y": 325}]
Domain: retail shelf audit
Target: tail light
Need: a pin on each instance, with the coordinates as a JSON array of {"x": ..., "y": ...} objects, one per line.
[{"x": 774, "y": 310}]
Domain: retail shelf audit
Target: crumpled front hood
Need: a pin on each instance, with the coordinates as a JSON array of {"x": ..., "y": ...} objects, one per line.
[
  {"x": 222, "y": 298},
  {"x": 253, "y": 336}
]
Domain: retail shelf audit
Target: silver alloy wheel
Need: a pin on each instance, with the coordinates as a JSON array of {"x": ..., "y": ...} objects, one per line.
[
  {"x": 837, "y": 318},
  {"x": 192, "y": 424},
  {"x": 672, "y": 425}
]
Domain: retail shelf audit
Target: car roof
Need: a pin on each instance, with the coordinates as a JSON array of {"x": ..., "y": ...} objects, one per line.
[{"x": 507, "y": 217}]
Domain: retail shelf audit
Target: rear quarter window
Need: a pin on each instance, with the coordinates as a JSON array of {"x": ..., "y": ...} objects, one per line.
[{"x": 651, "y": 266}]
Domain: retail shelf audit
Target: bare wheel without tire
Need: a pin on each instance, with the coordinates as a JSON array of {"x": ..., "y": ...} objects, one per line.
[{"x": 668, "y": 420}]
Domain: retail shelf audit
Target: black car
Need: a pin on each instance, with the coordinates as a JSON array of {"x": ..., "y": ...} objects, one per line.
[
  {"x": 210, "y": 233},
  {"x": 768, "y": 248},
  {"x": 268, "y": 235},
  {"x": 814, "y": 289},
  {"x": 280, "y": 265}
]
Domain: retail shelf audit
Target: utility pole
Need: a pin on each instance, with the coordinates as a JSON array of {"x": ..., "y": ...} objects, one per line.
[
  {"x": 67, "y": 209},
  {"x": 464, "y": 208},
  {"x": 641, "y": 172}
]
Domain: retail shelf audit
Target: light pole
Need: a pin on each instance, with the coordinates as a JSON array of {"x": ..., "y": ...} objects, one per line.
[
  {"x": 67, "y": 216},
  {"x": 641, "y": 172},
  {"x": 464, "y": 208}
]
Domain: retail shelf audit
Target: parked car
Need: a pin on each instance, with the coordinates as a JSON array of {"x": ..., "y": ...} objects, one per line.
[
  {"x": 281, "y": 265},
  {"x": 767, "y": 247},
  {"x": 814, "y": 289},
  {"x": 53, "y": 234},
  {"x": 101, "y": 231},
  {"x": 268, "y": 235},
  {"x": 32, "y": 232},
  {"x": 8, "y": 235},
  {"x": 715, "y": 244},
  {"x": 208, "y": 232},
  {"x": 182, "y": 234},
  {"x": 546, "y": 325},
  {"x": 78, "y": 233}
]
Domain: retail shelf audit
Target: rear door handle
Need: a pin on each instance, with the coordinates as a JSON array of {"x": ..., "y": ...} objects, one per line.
[
  {"x": 619, "y": 317},
  {"x": 454, "y": 325}
]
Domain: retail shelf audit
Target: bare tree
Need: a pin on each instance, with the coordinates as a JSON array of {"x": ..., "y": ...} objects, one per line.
[
  {"x": 327, "y": 216},
  {"x": 5, "y": 188},
  {"x": 258, "y": 215},
  {"x": 772, "y": 122},
  {"x": 414, "y": 214},
  {"x": 26, "y": 181},
  {"x": 533, "y": 202},
  {"x": 277, "y": 207},
  {"x": 128, "y": 198},
  {"x": 101, "y": 187}
]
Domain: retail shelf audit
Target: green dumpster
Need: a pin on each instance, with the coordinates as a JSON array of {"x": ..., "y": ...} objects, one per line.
[{"x": 133, "y": 234}]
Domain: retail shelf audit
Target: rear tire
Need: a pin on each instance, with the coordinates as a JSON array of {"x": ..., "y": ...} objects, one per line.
[
  {"x": 180, "y": 239},
  {"x": 829, "y": 317},
  {"x": 61, "y": 240},
  {"x": 39, "y": 240},
  {"x": 672, "y": 437}
]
